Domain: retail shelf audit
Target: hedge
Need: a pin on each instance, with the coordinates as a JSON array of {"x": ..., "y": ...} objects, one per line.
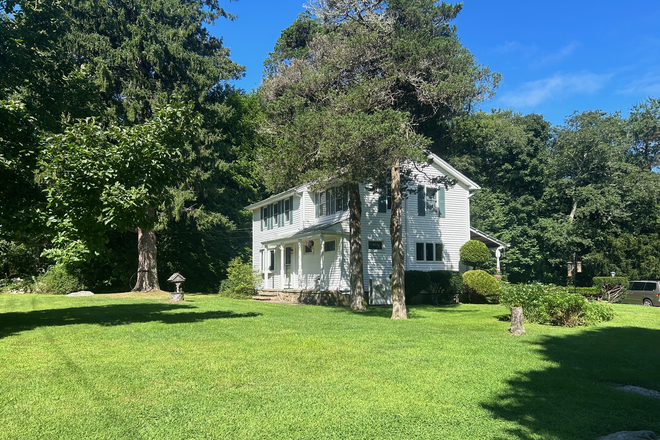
[
  {"x": 439, "y": 286},
  {"x": 475, "y": 253},
  {"x": 481, "y": 287}
]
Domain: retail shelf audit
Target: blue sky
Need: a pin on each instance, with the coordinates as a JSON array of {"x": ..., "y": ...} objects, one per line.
[{"x": 555, "y": 57}]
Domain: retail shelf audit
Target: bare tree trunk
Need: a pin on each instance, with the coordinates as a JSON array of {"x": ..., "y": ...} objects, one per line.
[
  {"x": 571, "y": 216},
  {"x": 356, "y": 267},
  {"x": 517, "y": 321},
  {"x": 398, "y": 263},
  {"x": 147, "y": 276}
]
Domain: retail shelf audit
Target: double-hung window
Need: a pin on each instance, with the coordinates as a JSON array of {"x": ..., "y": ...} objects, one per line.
[{"x": 331, "y": 201}]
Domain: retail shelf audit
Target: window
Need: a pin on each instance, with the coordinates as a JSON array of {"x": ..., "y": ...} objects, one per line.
[
  {"x": 431, "y": 200},
  {"x": 287, "y": 211},
  {"x": 272, "y": 260},
  {"x": 375, "y": 245},
  {"x": 329, "y": 246},
  {"x": 429, "y": 252},
  {"x": 331, "y": 201},
  {"x": 309, "y": 247},
  {"x": 385, "y": 200},
  {"x": 275, "y": 213}
]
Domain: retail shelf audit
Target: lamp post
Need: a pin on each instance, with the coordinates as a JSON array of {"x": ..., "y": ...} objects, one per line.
[{"x": 574, "y": 267}]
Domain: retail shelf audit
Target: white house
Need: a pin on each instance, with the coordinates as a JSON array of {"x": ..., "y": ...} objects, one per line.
[{"x": 301, "y": 238}]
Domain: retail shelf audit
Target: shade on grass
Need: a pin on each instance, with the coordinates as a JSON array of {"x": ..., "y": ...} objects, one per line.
[{"x": 122, "y": 367}]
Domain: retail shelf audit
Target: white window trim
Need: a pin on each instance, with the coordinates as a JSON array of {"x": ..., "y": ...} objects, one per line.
[{"x": 434, "y": 261}]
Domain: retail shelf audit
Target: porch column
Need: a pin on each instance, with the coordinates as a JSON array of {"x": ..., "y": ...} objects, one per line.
[
  {"x": 282, "y": 272},
  {"x": 300, "y": 273},
  {"x": 498, "y": 253},
  {"x": 322, "y": 274}
]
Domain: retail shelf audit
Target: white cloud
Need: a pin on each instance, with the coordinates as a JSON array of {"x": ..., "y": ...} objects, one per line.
[
  {"x": 556, "y": 87},
  {"x": 647, "y": 84},
  {"x": 560, "y": 54}
]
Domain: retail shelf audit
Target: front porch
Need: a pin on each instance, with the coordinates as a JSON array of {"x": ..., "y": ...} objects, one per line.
[{"x": 314, "y": 259}]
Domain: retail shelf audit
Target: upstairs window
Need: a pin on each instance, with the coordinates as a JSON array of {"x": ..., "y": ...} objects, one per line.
[
  {"x": 431, "y": 200},
  {"x": 331, "y": 201}
]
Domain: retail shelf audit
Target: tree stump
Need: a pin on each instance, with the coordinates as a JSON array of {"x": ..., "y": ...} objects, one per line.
[{"x": 517, "y": 321}]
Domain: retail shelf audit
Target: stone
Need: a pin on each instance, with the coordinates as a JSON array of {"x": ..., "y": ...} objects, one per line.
[
  {"x": 640, "y": 390},
  {"x": 630, "y": 435},
  {"x": 81, "y": 293}
]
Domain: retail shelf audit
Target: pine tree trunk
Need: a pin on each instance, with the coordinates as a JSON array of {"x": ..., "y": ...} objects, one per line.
[
  {"x": 147, "y": 276},
  {"x": 517, "y": 321},
  {"x": 398, "y": 263},
  {"x": 356, "y": 267}
]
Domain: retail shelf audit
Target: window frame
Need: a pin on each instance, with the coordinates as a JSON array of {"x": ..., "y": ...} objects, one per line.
[
  {"x": 424, "y": 247},
  {"x": 380, "y": 249},
  {"x": 334, "y": 245}
]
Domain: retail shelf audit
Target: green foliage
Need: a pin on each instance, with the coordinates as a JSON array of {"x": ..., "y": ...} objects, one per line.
[
  {"x": 599, "y": 282},
  {"x": 480, "y": 286},
  {"x": 242, "y": 281},
  {"x": 445, "y": 284},
  {"x": 440, "y": 286},
  {"x": 475, "y": 253},
  {"x": 415, "y": 282},
  {"x": 102, "y": 178},
  {"x": 58, "y": 280},
  {"x": 549, "y": 304}
]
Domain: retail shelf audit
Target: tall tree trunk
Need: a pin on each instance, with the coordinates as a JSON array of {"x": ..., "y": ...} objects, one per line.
[
  {"x": 398, "y": 263},
  {"x": 147, "y": 276},
  {"x": 356, "y": 267},
  {"x": 571, "y": 216}
]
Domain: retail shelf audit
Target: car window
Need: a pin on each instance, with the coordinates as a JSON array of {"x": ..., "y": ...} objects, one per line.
[
  {"x": 637, "y": 285},
  {"x": 650, "y": 286}
]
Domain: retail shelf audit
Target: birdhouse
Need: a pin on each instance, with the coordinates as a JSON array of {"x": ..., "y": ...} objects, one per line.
[{"x": 177, "y": 279}]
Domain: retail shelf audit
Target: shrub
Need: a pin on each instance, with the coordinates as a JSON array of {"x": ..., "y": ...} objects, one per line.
[
  {"x": 242, "y": 281},
  {"x": 58, "y": 280},
  {"x": 548, "y": 304},
  {"x": 445, "y": 284},
  {"x": 598, "y": 282},
  {"x": 416, "y": 281},
  {"x": 480, "y": 286},
  {"x": 474, "y": 253}
]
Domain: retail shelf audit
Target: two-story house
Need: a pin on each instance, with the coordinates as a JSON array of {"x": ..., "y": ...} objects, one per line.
[{"x": 301, "y": 238}]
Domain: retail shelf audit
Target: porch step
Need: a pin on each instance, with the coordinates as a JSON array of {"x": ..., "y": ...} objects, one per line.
[{"x": 266, "y": 296}]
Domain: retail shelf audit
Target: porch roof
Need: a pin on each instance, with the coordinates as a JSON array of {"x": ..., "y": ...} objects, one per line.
[
  {"x": 307, "y": 232},
  {"x": 488, "y": 240}
]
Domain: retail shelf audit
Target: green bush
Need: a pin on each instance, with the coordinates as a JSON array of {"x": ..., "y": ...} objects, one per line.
[
  {"x": 445, "y": 284},
  {"x": 598, "y": 282},
  {"x": 58, "y": 280},
  {"x": 548, "y": 304},
  {"x": 480, "y": 286},
  {"x": 415, "y": 281},
  {"x": 242, "y": 281},
  {"x": 475, "y": 253}
]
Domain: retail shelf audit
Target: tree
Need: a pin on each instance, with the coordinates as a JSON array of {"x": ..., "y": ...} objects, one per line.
[
  {"x": 379, "y": 69},
  {"x": 101, "y": 177},
  {"x": 644, "y": 125},
  {"x": 143, "y": 54}
]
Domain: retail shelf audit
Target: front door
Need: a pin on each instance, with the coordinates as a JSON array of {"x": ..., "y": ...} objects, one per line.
[{"x": 288, "y": 257}]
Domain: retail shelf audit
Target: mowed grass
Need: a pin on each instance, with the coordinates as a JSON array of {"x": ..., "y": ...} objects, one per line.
[{"x": 121, "y": 366}]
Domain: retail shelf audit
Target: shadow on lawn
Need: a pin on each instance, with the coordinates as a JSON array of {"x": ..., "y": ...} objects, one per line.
[
  {"x": 109, "y": 315},
  {"x": 576, "y": 398}
]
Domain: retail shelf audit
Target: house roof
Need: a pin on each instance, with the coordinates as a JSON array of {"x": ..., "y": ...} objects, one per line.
[
  {"x": 309, "y": 231},
  {"x": 441, "y": 163},
  {"x": 271, "y": 199},
  {"x": 453, "y": 172},
  {"x": 476, "y": 234}
]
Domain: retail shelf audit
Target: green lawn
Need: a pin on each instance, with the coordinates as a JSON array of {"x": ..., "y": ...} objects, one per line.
[{"x": 120, "y": 367}]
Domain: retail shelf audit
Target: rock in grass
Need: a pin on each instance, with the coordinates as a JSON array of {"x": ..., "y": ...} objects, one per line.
[
  {"x": 631, "y": 435},
  {"x": 81, "y": 293}
]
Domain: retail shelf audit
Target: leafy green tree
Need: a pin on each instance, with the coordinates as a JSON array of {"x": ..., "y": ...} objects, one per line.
[
  {"x": 143, "y": 54},
  {"x": 344, "y": 101},
  {"x": 101, "y": 177},
  {"x": 644, "y": 126}
]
